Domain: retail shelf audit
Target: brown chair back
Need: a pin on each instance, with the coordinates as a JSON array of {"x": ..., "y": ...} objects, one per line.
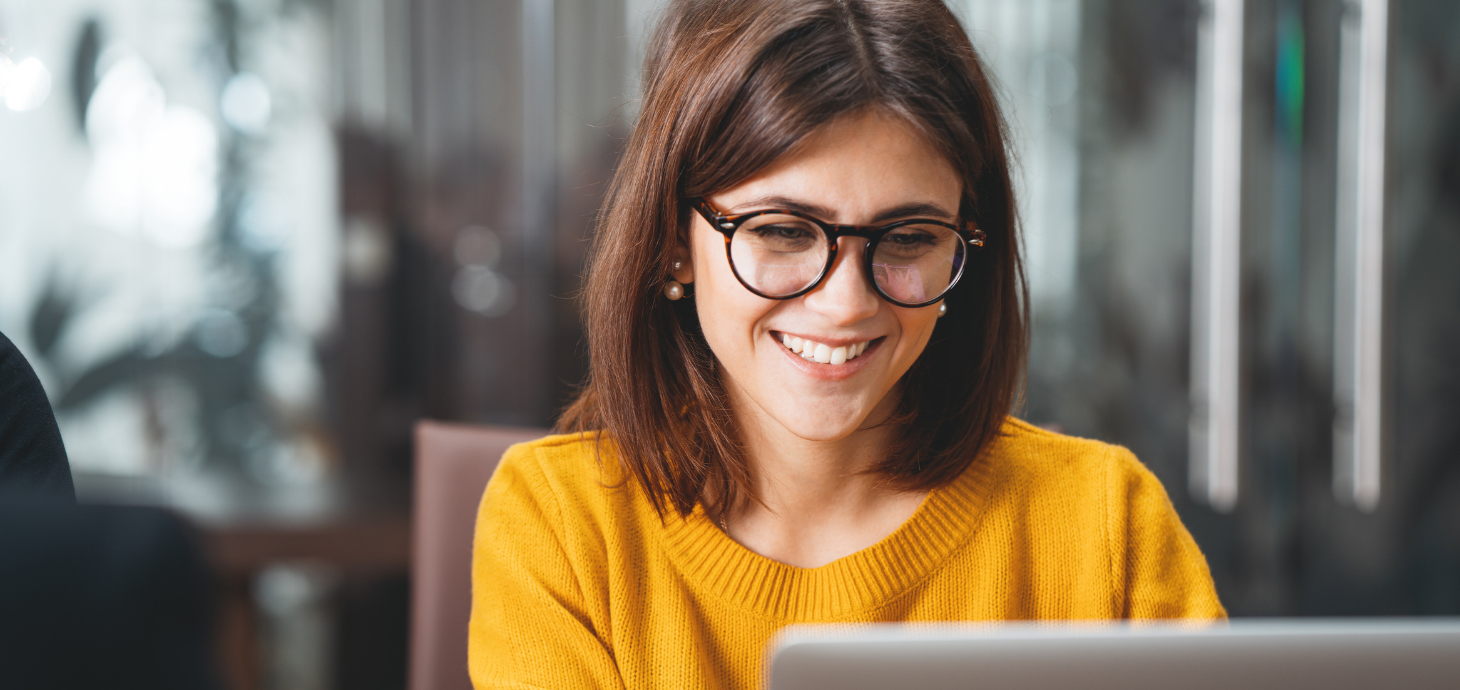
[{"x": 453, "y": 464}]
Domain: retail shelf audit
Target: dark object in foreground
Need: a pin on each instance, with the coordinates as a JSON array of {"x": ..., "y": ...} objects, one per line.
[{"x": 102, "y": 596}]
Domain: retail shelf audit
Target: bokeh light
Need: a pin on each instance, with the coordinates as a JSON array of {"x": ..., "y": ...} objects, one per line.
[
  {"x": 484, "y": 291},
  {"x": 156, "y": 164},
  {"x": 246, "y": 103},
  {"x": 7, "y": 71},
  {"x": 26, "y": 85}
]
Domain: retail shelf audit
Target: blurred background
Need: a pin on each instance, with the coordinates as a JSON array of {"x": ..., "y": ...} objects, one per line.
[{"x": 247, "y": 243}]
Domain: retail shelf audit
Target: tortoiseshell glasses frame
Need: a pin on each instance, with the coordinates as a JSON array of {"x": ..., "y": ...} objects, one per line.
[{"x": 727, "y": 225}]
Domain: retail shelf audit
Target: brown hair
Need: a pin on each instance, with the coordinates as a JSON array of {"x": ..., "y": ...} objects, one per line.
[{"x": 730, "y": 87}]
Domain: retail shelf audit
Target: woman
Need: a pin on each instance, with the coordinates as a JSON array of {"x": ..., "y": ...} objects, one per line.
[{"x": 806, "y": 330}]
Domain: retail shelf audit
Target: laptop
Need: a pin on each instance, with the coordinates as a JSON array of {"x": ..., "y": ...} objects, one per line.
[{"x": 1248, "y": 654}]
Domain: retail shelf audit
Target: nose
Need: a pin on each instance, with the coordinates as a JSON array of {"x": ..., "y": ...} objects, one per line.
[{"x": 845, "y": 296}]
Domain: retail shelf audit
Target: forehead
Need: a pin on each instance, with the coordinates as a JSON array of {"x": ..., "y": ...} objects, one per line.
[{"x": 857, "y": 165}]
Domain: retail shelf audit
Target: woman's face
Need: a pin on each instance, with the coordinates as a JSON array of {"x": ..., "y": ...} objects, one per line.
[{"x": 857, "y": 170}]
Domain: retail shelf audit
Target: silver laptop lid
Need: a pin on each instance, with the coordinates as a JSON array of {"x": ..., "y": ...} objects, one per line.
[{"x": 1255, "y": 655}]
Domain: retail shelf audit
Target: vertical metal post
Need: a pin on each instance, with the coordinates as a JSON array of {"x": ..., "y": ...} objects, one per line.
[
  {"x": 1359, "y": 253},
  {"x": 1216, "y": 255},
  {"x": 539, "y": 196}
]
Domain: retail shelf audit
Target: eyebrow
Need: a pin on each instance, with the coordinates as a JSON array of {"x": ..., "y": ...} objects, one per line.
[{"x": 922, "y": 210}]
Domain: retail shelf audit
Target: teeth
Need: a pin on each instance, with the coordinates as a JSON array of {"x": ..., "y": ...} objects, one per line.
[{"x": 820, "y": 352}]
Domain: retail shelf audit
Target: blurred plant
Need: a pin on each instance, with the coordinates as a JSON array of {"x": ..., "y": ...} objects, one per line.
[{"x": 240, "y": 429}]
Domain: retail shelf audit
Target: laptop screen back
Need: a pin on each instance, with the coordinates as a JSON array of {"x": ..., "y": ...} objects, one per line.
[{"x": 1253, "y": 655}]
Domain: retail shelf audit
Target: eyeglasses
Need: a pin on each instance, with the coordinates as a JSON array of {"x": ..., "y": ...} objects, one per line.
[{"x": 784, "y": 254}]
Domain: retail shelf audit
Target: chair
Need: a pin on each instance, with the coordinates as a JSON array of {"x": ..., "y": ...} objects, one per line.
[{"x": 453, "y": 464}]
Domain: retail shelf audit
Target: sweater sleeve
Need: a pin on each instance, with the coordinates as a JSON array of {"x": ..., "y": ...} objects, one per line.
[
  {"x": 530, "y": 626},
  {"x": 1157, "y": 565}
]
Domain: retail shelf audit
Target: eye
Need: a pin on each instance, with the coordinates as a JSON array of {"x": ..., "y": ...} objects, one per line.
[
  {"x": 785, "y": 232},
  {"x": 781, "y": 230},
  {"x": 904, "y": 237}
]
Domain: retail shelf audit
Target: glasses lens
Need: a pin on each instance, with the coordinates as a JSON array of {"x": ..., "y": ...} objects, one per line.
[
  {"x": 917, "y": 263},
  {"x": 778, "y": 254}
]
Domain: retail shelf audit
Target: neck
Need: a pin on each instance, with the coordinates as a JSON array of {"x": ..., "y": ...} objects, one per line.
[
  {"x": 818, "y": 503},
  {"x": 797, "y": 475}
]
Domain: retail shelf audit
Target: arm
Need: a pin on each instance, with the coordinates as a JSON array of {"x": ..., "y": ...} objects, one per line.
[
  {"x": 530, "y": 619},
  {"x": 1156, "y": 565}
]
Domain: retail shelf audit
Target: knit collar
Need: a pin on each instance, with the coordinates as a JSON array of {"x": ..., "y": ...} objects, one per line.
[{"x": 712, "y": 561}]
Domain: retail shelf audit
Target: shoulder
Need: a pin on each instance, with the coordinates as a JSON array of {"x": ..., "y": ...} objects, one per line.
[
  {"x": 33, "y": 459},
  {"x": 1030, "y": 455},
  {"x": 1087, "y": 481},
  {"x": 1079, "y": 490},
  {"x": 552, "y": 452},
  {"x": 561, "y": 459},
  {"x": 563, "y": 473}
]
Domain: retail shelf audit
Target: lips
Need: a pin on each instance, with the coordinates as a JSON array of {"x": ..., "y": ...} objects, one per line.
[{"x": 822, "y": 352}]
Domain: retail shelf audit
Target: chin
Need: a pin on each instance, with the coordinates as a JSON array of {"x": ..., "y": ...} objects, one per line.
[{"x": 825, "y": 428}]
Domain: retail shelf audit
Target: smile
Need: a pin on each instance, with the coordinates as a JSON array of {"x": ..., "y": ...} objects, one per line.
[{"x": 821, "y": 352}]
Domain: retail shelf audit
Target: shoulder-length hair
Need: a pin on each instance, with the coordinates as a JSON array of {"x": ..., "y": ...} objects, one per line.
[{"x": 731, "y": 86}]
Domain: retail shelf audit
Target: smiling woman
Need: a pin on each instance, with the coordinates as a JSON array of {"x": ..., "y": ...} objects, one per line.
[
  {"x": 734, "y": 94},
  {"x": 807, "y": 325}
]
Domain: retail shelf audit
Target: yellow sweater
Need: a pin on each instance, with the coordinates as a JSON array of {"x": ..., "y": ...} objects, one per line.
[{"x": 576, "y": 584}]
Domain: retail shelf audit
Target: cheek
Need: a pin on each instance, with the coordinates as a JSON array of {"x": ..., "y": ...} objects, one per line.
[
  {"x": 730, "y": 315},
  {"x": 917, "y": 328},
  {"x": 727, "y": 311},
  {"x": 707, "y": 252}
]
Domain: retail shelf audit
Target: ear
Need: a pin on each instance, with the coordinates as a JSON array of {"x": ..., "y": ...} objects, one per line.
[{"x": 681, "y": 256}]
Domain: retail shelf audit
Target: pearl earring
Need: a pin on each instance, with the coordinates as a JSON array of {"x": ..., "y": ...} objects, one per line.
[
  {"x": 942, "y": 309},
  {"x": 678, "y": 265},
  {"x": 673, "y": 290}
]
